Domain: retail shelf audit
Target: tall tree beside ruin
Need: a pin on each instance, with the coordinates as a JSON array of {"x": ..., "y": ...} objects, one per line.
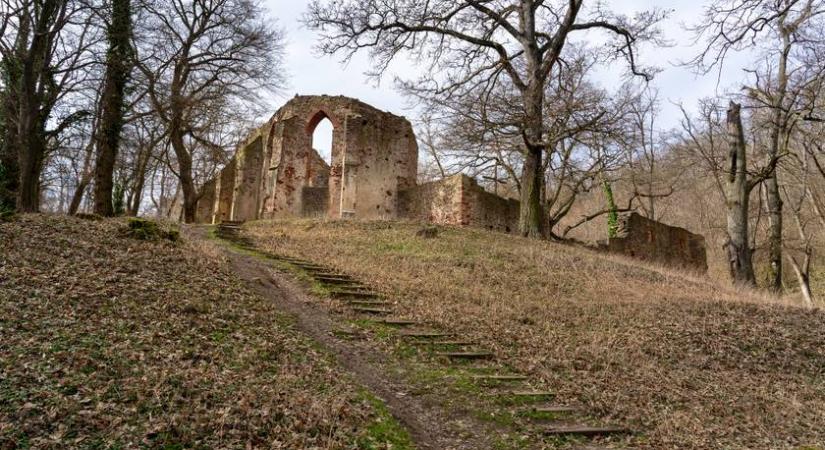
[
  {"x": 119, "y": 63},
  {"x": 203, "y": 59},
  {"x": 478, "y": 43},
  {"x": 738, "y": 193},
  {"x": 781, "y": 29}
]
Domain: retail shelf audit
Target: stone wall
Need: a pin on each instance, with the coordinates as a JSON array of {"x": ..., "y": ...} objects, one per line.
[
  {"x": 645, "y": 239},
  {"x": 224, "y": 192},
  {"x": 315, "y": 201},
  {"x": 374, "y": 155},
  {"x": 206, "y": 203},
  {"x": 459, "y": 200},
  {"x": 247, "y": 184},
  {"x": 436, "y": 202}
]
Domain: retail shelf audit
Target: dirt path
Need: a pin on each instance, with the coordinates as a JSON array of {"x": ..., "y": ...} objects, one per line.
[{"x": 430, "y": 426}]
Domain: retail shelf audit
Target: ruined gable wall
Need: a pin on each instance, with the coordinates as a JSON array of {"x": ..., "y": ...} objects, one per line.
[
  {"x": 206, "y": 202},
  {"x": 224, "y": 188},
  {"x": 645, "y": 239},
  {"x": 247, "y": 185},
  {"x": 373, "y": 153},
  {"x": 486, "y": 210},
  {"x": 381, "y": 159}
]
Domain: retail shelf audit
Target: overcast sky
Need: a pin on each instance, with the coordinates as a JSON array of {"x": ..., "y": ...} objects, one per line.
[{"x": 310, "y": 73}]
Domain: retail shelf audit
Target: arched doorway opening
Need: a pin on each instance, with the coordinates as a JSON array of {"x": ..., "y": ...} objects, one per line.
[{"x": 319, "y": 159}]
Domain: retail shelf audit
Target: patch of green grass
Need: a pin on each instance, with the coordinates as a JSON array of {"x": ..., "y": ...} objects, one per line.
[{"x": 384, "y": 431}]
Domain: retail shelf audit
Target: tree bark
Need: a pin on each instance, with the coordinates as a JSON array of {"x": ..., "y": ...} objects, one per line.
[
  {"x": 36, "y": 100},
  {"x": 139, "y": 181},
  {"x": 803, "y": 275},
  {"x": 531, "y": 212},
  {"x": 190, "y": 195},
  {"x": 118, "y": 68},
  {"x": 774, "y": 197},
  {"x": 85, "y": 177},
  {"x": 738, "y": 197}
]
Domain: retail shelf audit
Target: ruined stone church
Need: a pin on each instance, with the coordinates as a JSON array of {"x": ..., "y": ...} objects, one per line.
[{"x": 373, "y": 173}]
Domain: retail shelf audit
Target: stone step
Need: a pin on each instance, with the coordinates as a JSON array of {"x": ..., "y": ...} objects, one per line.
[
  {"x": 499, "y": 377},
  {"x": 583, "y": 430},
  {"x": 466, "y": 355},
  {"x": 367, "y": 310}
]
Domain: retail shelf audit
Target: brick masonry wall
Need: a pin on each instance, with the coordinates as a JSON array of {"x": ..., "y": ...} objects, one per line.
[
  {"x": 206, "y": 203},
  {"x": 224, "y": 188},
  {"x": 459, "y": 200},
  {"x": 645, "y": 239}
]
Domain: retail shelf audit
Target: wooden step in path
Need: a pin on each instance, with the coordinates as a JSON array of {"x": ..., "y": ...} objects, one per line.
[
  {"x": 399, "y": 322},
  {"x": 444, "y": 343},
  {"x": 555, "y": 409},
  {"x": 584, "y": 430},
  {"x": 378, "y": 311},
  {"x": 353, "y": 294},
  {"x": 369, "y": 303},
  {"x": 499, "y": 378},
  {"x": 466, "y": 355},
  {"x": 424, "y": 334}
]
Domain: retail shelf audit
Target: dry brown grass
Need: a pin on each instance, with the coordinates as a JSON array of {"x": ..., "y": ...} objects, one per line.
[
  {"x": 113, "y": 343},
  {"x": 688, "y": 362}
]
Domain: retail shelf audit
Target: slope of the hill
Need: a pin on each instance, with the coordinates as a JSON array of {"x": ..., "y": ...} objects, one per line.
[
  {"x": 108, "y": 342},
  {"x": 689, "y": 363}
]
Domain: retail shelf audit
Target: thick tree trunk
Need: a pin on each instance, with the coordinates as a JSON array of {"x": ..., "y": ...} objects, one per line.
[
  {"x": 36, "y": 100},
  {"x": 531, "y": 213},
  {"x": 28, "y": 191},
  {"x": 118, "y": 68},
  {"x": 774, "y": 203},
  {"x": 187, "y": 184},
  {"x": 738, "y": 197}
]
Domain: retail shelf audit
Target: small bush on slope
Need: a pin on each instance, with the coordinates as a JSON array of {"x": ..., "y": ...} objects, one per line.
[
  {"x": 686, "y": 362},
  {"x": 108, "y": 342}
]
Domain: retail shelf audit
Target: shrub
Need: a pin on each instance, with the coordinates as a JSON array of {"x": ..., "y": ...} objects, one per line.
[{"x": 147, "y": 230}]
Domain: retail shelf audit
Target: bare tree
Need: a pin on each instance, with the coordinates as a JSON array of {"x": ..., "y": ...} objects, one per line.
[
  {"x": 204, "y": 59},
  {"x": 475, "y": 45},
  {"x": 739, "y": 187},
  {"x": 119, "y": 64},
  {"x": 784, "y": 28},
  {"x": 45, "y": 49}
]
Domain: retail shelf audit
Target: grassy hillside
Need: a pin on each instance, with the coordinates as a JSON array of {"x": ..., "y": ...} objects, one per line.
[
  {"x": 690, "y": 363},
  {"x": 107, "y": 342}
]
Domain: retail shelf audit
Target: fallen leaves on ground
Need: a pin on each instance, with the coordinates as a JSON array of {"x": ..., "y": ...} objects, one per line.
[
  {"x": 685, "y": 362},
  {"x": 110, "y": 342}
]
